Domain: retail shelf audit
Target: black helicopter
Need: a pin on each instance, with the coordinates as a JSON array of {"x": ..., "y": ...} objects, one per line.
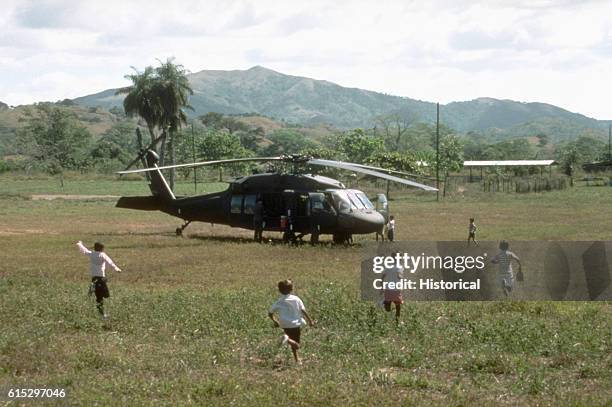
[{"x": 296, "y": 204}]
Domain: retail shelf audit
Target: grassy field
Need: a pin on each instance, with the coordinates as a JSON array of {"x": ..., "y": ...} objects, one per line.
[
  {"x": 188, "y": 315},
  {"x": 25, "y": 187}
]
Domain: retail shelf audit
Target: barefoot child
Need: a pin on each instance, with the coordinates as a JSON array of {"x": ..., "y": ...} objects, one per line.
[
  {"x": 97, "y": 267},
  {"x": 393, "y": 275},
  {"x": 504, "y": 259},
  {"x": 291, "y": 314},
  {"x": 472, "y": 232}
]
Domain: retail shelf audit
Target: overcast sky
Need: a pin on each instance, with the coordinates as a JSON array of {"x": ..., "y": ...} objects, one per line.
[{"x": 558, "y": 52}]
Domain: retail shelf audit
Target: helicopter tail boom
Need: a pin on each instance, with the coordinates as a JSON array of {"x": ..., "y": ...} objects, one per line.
[{"x": 143, "y": 203}]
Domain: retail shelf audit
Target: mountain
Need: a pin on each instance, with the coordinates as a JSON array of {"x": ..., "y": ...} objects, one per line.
[
  {"x": 289, "y": 98},
  {"x": 308, "y": 101}
]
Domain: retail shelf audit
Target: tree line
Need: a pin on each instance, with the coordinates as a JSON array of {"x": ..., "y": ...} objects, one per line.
[{"x": 53, "y": 139}]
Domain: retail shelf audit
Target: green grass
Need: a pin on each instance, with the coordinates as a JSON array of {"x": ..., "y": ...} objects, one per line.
[
  {"x": 189, "y": 321},
  {"x": 25, "y": 187}
]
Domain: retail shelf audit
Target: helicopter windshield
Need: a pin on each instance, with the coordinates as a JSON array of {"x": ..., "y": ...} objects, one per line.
[
  {"x": 364, "y": 199},
  {"x": 349, "y": 200},
  {"x": 355, "y": 201},
  {"x": 341, "y": 201}
]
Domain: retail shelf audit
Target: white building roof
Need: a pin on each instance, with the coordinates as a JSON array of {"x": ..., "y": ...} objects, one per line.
[{"x": 509, "y": 163}]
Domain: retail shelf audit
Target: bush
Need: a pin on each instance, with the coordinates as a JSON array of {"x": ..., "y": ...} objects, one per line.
[{"x": 4, "y": 166}]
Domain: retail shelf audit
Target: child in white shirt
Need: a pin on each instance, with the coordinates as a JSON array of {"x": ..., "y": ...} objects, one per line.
[
  {"x": 391, "y": 228},
  {"x": 97, "y": 267},
  {"x": 504, "y": 258},
  {"x": 291, "y": 313}
]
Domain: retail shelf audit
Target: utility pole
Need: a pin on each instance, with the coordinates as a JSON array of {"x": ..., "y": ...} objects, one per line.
[
  {"x": 438, "y": 151},
  {"x": 610, "y": 142},
  {"x": 195, "y": 170}
]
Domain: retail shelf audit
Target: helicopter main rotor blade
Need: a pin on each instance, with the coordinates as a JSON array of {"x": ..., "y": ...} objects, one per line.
[
  {"x": 202, "y": 163},
  {"x": 387, "y": 170},
  {"x": 351, "y": 167}
]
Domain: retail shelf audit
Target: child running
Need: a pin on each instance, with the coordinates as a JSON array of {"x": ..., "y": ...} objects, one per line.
[
  {"x": 97, "y": 267},
  {"x": 472, "y": 232},
  {"x": 393, "y": 275},
  {"x": 291, "y": 314},
  {"x": 504, "y": 259}
]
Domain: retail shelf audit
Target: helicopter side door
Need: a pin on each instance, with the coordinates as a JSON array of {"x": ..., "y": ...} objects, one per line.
[
  {"x": 382, "y": 206},
  {"x": 323, "y": 217},
  {"x": 242, "y": 207}
]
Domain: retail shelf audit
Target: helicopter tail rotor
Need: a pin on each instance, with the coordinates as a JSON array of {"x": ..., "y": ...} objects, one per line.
[{"x": 157, "y": 183}]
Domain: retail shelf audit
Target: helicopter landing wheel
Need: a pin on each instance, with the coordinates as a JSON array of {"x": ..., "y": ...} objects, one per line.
[
  {"x": 179, "y": 231},
  {"x": 340, "y": 238}
]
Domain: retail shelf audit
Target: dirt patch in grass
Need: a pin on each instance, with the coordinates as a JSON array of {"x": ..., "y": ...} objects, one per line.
[
  {"x": 19, "y": 232},
  {"x": 50, "y": 197}
]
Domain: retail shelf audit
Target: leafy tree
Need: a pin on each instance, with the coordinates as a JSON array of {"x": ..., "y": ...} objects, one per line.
[
  {"x": 476, "y": 146},
  {"x": 570, "y": 157},
  {"x": 220, "y": 145},
  {"x": 514, "y": 149},
  {"x": 212, "y": 120},
  {"x": 358, "y": 146},
  {"x": 394, "y": 128},
  {"x": 450, "y": 157},
  {"x": 395, "y": 161},
  {"x": 287, "y": 141},
  {"x": 451, "y": 154},
  {"x": 117, "y": 143},
  {"x": 218, "y": 121},
  {"x": 250, "y": 138},
  {"x": 54, "y": 137},
  {"x": 587, "y": 148}
]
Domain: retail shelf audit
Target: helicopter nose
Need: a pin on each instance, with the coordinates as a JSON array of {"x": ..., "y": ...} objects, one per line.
[{"x": 362, "y": 222}]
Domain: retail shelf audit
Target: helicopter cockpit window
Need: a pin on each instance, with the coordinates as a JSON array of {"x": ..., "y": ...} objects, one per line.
[
  {"x": 364, "y": 199},
  {"x": 342, "y": 201},
  {"x": 249, "y": 204},
  {"x": 355, "y": 201},
  {"x": 236, "y": 205}
]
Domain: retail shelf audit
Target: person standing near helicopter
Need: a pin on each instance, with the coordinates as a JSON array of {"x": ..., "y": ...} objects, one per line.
[
  {"x": 391, "y": 228},
  {"x": 258, "y": 222},
  {"x": 288, "y": 228}
]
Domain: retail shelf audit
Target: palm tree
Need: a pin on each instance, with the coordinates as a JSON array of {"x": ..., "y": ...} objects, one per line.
[
  {"x": 159, "y": 95},
  {"x": 141, "y": 101},
  {"x": 172, "y": 90}
]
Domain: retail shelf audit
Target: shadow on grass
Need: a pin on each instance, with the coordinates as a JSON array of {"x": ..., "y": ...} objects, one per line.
[
  {"x": 161, "y": 233},
  {"x": 216, "y": 238},
  {"x": 266, "y": 241}
]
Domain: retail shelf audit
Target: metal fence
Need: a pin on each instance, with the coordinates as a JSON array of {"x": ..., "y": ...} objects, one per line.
[{"x": 508, "y": 184}]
